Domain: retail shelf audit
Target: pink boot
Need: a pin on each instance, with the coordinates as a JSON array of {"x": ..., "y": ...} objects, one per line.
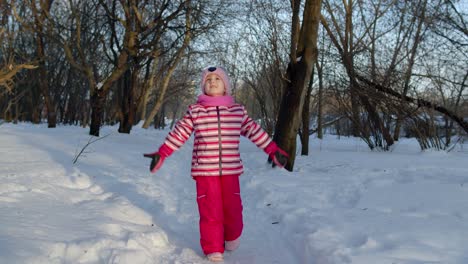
[
  {"x": 232, "y": 245},
  {"x": 215, "y": 257}
]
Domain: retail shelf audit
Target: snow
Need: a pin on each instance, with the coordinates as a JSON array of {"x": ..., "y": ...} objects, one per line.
[{"x": 342, "y": 204}]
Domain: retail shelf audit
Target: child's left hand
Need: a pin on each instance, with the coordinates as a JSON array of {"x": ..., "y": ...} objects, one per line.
[
  {"x": 156, "y": 161},
  {"x": 277, "y": 155},
  {"x": 280, "y": 158},
  {"x": 157, "y": 158}
]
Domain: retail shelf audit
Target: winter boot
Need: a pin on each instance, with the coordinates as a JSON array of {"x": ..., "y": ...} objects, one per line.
[
  {"x": 215, "y": 257},
  {"x": 232, "y": 245}
]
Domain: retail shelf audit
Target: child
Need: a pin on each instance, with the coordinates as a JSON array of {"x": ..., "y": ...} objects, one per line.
[{"x": 217, "y": 123}]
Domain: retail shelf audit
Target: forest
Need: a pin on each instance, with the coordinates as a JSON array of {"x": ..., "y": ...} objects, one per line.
[{"x": 378, "y": 70}]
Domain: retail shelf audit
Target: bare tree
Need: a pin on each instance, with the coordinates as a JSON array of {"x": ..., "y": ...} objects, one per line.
[
  {"x": 265, "y": 63},
  {"x": 38, "y": 25},
  {"x": 9, "y": 66},
  {"x": 8, "y": 72},
  {"x": 419, "y": 18},
  {"x": 391, "y": 67},
  {"x": 451, "y": 24},
  {"x": 303, "y": 55},
  {"x": 419, "y": 102},
  {"x": 348, "y": 45},
  {"x": 99, "y": 84},
  {"x": 41, "y": 29},
  {"x": 197, "y": 19},
  {"x": 172, "y": 65}
]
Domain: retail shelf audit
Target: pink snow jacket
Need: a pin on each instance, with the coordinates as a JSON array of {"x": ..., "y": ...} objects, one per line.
[{"x": 217, "y": 135}]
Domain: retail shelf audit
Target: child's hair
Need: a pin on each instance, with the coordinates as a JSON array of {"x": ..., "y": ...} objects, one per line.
[{"x": 221, "y": 72}]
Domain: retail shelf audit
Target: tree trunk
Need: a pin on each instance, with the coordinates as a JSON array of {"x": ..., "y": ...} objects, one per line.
[
  {"x": 174, "y": 116},
  {"x": 34, "y": 103},
  {"x": 44, "y": 85},
  {"x": 306, "y": 118},
  {"x": 409, "y": 70},
  {"x": 298, "y": 73},
  {"x": 51, "y": 111},
  {"x": 148, "y": 84},
  {"x": 320, "y": 101},
  {"x": 127, "y": 87},
  {"x": 17, "y": 113},
  {"x": 40, "y": 17},
  {"x": 376, "y": 123},
  {"x": 159, "y": 119},
  {"x": 171, "y": 68},
  {"x": 357, "y": 93},
  {"x": 287, "y": 126},
  {"x": 97, "y": 105}
]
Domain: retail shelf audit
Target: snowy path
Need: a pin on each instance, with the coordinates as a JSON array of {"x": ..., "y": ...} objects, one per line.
[
  {"x": 342, "y": 204},
  {"x": 107, "y": 209}
]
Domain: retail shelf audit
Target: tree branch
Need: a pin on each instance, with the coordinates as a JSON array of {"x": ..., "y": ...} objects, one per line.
[
  {"x": 418, "y": 101},
  {"x": 90, "y": 141}
]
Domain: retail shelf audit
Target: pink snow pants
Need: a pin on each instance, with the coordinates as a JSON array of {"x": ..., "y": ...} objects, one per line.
[{"x": 220, "y": 208}]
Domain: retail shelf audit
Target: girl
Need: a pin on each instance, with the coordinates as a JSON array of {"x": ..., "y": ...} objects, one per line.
[{"x": 217, "y": 123}]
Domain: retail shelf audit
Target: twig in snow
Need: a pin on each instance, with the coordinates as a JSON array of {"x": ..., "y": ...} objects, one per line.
[
  {"x": 90, "y": 141},
  {"x": 459, "y": 140}
]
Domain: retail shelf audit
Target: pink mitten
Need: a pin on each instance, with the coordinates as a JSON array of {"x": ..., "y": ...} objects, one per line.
[
  {"x": 157, "y": 158},
  {"x": 277, "y": 155}
]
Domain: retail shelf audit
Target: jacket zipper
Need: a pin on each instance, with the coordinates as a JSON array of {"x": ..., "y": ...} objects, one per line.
[
  {"x": 197, "y": 143},
  {"x": 219, "y": 140}
]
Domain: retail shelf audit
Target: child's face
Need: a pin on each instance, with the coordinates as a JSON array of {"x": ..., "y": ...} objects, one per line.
[{"x": 214, "y": 86}]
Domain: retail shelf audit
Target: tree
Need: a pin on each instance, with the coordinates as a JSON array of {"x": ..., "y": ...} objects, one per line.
[
  {"x": 8, "y": 72},
  {"x": 41, "y": 29},
  {"x": 39, "y": 26},
  {"x": 196, "y": 19},
  {"x": 172, "y": 65},
  {"x": 303, "y": 55},
  {"x": 99, "y": 84},
  {"x": 419, "y": 17},
  {"x": 306, "y": 117},
  {"x": 265, "y": 64},
  {"x": 368, "y": 125}
]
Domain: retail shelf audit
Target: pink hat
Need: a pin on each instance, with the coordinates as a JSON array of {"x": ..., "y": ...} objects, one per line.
[{"x": 221, "y": 73}]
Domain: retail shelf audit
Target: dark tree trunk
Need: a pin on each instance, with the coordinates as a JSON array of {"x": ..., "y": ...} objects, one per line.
[
  {"x": 306, "y": 119},
  {"x": 41, "y": 55},
  {"x": 159, "y": 122},
  {"x": 127, "y": 104},
  {"x": 175, "y": 113},
  {"x": 377, "y": 124},
  {"x": 51, "y": 113},
  {"x": 302, "y": 58},
  {"x": 320, "y": 101},
  {"x": 289, "y": 116},
  {"x": 97, "y": 104},
  {"x": 34, "y": 102}
]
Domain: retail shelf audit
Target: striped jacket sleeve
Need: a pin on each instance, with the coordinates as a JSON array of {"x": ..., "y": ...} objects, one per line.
[
  {"x": 181, "y": 132},
  {"x": 253, "y": 131}
]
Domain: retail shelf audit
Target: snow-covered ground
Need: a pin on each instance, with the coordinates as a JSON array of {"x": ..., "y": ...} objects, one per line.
[{"x": 342, "y": 204}]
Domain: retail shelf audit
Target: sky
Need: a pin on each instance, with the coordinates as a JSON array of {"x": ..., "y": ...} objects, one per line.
[{"x": 342, "y": 204}]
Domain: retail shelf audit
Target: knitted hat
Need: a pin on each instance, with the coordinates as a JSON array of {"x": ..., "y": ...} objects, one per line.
[{"x": 221, "y": 73}]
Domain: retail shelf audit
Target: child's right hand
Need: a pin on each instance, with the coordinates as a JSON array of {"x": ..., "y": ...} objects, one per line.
[{"x": 156, "y": 161}]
